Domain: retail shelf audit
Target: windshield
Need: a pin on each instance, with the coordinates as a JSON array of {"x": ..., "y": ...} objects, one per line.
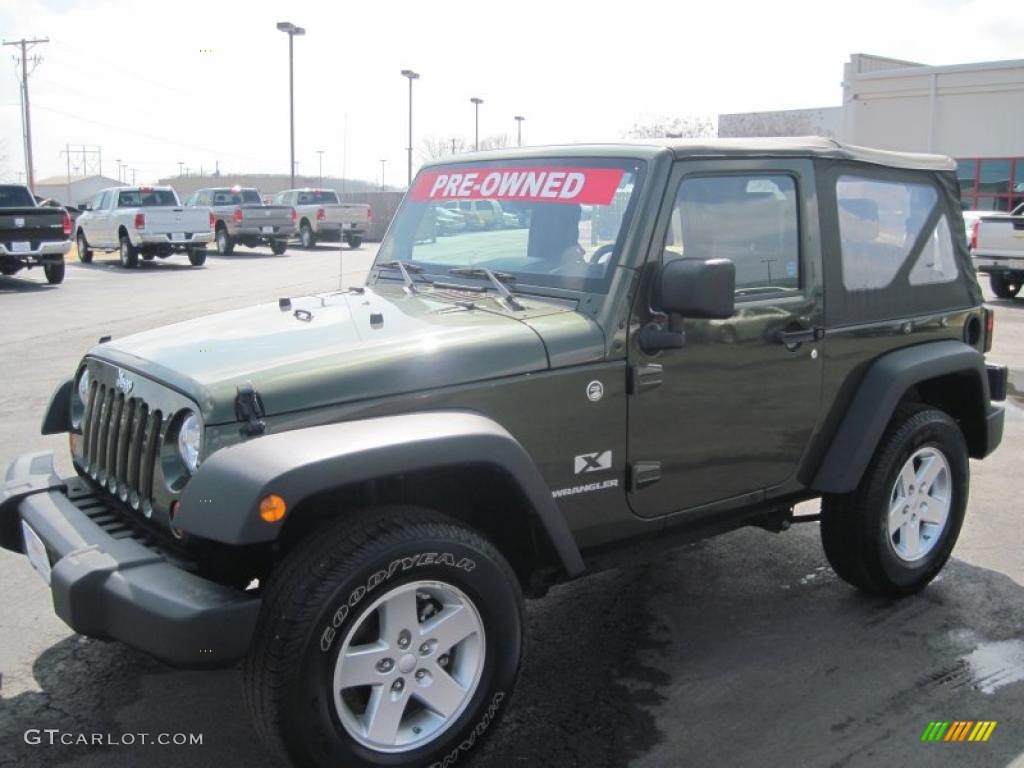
[
  {"x": 16, "y": 197},
  {"x": 146, "y": 198},
  {"x": 554, "y": 223}
]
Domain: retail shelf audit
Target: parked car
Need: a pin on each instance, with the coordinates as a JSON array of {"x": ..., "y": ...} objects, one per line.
[
  {"x": 479, "y": 214},
  {"x": 322, "y": 216},
  {"x": 997, "y": 244},
  {"x": 240, "y": 216},
  {"x": 146, "y": 221},
  {"x": 354, "y": 494},
  {"x": 32, "y": 235}
]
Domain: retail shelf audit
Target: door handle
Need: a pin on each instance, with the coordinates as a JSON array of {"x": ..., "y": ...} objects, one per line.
[{"x": 799, "y": 336}]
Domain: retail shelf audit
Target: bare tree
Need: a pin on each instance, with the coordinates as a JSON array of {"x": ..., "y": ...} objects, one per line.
[
  {"x": 437, "y": 147},
  {"x": 795, "y": 123},
  {"x": 673, "y": 128},
  {"x": 498, "y": 141}
]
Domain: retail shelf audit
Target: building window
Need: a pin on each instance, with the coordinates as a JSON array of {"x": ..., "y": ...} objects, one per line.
[{"x": 991, "y": 184}]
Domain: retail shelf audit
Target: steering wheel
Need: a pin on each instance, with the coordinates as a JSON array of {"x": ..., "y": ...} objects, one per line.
[{"x": 602, "y": 254}]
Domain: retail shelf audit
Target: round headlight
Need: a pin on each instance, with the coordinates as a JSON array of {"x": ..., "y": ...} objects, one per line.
[
  {"x": 190, "y": 436},
  {"x": 83, "y": 386}
]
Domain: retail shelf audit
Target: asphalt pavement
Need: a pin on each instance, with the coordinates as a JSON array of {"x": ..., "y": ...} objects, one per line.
[{"x": 743, "y": 650}]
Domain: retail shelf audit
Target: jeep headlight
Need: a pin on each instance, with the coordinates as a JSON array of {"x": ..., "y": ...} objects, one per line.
[
  {"x": 190, "y": 437},
  {"x": 80, "y": 398}
]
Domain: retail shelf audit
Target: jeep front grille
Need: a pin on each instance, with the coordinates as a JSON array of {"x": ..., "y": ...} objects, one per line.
[{"x": 120, "y": 445}]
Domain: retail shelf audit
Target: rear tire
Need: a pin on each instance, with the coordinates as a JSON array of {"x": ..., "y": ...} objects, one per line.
[
  {"x": 84, "y": 253},
  {"x": 306, "y": 236},
  {"x": 225, "y": 243},
  {"x": 895, "y": 531},
  {"x": 1005, "y": 286},
  {"x": 349, "y": 586},
  {"x": 128, "y": 253},
  {"x": 197, "y": 256},
  {"x": 54, "y": 273},
  {"x": 278, "y": 247}
]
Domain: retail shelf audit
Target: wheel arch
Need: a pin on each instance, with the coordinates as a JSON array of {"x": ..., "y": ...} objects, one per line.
[
  {"x": 461, "y": 464},
  {"x": 949, "y": 375}
]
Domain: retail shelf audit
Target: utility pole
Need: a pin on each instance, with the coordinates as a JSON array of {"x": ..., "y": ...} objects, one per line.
[
  {"x": 321, "y": 153},
  {"x": 26, "y": 115},
  {"x": 291, "y": 30},
  {"x": 408, "y": 73},
  {"x": 519, "y": 130},
  {"x": 180, "y": 166},
  {"x": 382, "y": 174},
  {"x": 134, "y": 170},
  {"x": 453, "y": 144},
  {"x": 476, "y": 108},
  {"x": 67, "y": 154}
]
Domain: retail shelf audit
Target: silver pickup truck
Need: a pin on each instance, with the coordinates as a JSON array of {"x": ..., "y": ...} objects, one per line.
[
  {"x": 146, "y": 221},
  {"x": 997, "y": 245},
  {"x": 322, "y": 216},
  {"x": 239, "y": 216}
]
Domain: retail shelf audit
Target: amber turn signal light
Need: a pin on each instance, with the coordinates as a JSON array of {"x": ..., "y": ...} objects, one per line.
[{"x": 272, "y": 508}]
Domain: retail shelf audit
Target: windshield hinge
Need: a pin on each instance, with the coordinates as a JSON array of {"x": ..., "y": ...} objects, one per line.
[{"x": 249, "y": 410}]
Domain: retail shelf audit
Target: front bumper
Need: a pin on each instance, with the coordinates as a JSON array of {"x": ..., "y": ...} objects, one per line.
[
  {"x": 192, "y": 239},
  {"x": 111, "y": 581},
  {"x": 989, "y": 264},
  {"x": 43, "y": 253}
]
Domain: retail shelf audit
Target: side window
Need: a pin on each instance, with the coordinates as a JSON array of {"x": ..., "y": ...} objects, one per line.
[
  {"x": 879, "y": 222},
  {"x": 96, "y": 202},
  {"x": 749, "y": 219},
  {"x": 191, "y": 201},
  {"x": 937, "y": 261},
  {"x": 108, "y": 198}
]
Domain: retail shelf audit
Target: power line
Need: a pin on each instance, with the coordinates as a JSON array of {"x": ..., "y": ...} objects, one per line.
[{"x": 26, "y": 114}]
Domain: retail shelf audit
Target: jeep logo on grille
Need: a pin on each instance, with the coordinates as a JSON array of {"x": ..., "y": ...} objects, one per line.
[
  {"x": 19, "y": 222},
  {"x": 124, "y": 384}
]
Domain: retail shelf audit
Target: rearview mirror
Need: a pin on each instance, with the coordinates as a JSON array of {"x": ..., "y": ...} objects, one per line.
[{"x": 697, "y": 288}]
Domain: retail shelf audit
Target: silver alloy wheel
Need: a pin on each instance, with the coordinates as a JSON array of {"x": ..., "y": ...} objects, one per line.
[
  {"x": 409, "y": 666},
  {"x": 919, "y": 504},
  {"x": 222, "y": 241},
  {"x": 306, "y": 236}
]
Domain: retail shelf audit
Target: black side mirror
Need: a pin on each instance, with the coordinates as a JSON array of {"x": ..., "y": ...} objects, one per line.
[
  {"x": 689, "y": 288},
  {"x": 697, "y": 288}
]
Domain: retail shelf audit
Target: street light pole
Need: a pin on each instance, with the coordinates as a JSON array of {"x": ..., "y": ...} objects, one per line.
[
  {"x": 321, "y": 153},
  {"x": 382, "y": 174},
  {"x": 411, "y": 76},
  {"x": 476, "y": 104},
  {"x": 291, "y": 30},
  {"x": 519, "y": 130}
]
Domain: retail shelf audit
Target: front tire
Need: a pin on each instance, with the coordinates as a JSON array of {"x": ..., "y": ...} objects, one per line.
[
  {"x": 896, "y": 530},
  {"x": 1005, "y": 286},
  {"x": 391, "y": 638},
  {"x": 54, "y": 273},
  {"x": 84, "y": 253},
  {"x": 128, "y": 253}
]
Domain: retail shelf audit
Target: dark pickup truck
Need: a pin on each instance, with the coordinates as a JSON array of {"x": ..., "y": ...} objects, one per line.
[{"x": 31, "y": 235}]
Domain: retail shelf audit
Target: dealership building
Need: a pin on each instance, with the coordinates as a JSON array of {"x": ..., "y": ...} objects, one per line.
[{"x": 972, "y": 112}]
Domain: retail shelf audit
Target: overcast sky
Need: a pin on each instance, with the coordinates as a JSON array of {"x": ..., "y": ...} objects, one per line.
[{"x": 201, "y": 82}]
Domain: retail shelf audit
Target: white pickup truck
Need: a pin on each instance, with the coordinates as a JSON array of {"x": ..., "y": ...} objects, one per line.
[
  {"x": 997, "y": 245},
  {"x": 146, "y": 221},
  {"x": 322, "y": 216}
]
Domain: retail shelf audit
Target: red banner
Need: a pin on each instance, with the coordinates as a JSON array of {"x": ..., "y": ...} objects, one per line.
[{"x": 589, "y": 186}]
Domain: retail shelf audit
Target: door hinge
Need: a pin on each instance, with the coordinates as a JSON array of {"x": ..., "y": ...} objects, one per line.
[
  {"x": 644, "y": 473},
  {"x": 645, "y": 376}
]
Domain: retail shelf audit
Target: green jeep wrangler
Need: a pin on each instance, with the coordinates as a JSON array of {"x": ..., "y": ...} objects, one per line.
[{"x": 351, "y": 492}]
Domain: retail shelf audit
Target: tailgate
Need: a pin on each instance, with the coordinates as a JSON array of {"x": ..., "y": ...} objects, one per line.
[
  {"x": 1001, "y": 236},
  {"x": 347, "y": 213},
  {"x": 31, "y": 225},
  {"x": 165, "y": 221},
  {"x": 267, "y": 215}
]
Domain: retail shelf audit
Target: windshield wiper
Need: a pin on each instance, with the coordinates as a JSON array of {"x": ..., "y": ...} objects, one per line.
[
  {"x": 405, "y": 269},
  {"x": 498, "y": 280}
]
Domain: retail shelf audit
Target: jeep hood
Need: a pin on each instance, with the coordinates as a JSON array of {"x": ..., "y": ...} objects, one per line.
[{"x": 335, "y": 348}]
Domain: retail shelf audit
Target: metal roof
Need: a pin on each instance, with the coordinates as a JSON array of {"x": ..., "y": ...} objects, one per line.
[{"x": 800, "y": 146}]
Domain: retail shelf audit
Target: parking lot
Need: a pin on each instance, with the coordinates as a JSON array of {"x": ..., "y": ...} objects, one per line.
[{"x": 743, "y": 650}]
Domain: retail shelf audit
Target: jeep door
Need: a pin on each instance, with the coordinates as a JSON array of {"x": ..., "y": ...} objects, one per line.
[{"x": 715, "y": 423}]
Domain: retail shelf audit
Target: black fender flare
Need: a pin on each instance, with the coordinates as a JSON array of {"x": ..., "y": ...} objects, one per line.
[
  {"x": 221, "y": 502},
  {"x": 878, "y": 394},
  {"x": 58, "y": 412}
]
